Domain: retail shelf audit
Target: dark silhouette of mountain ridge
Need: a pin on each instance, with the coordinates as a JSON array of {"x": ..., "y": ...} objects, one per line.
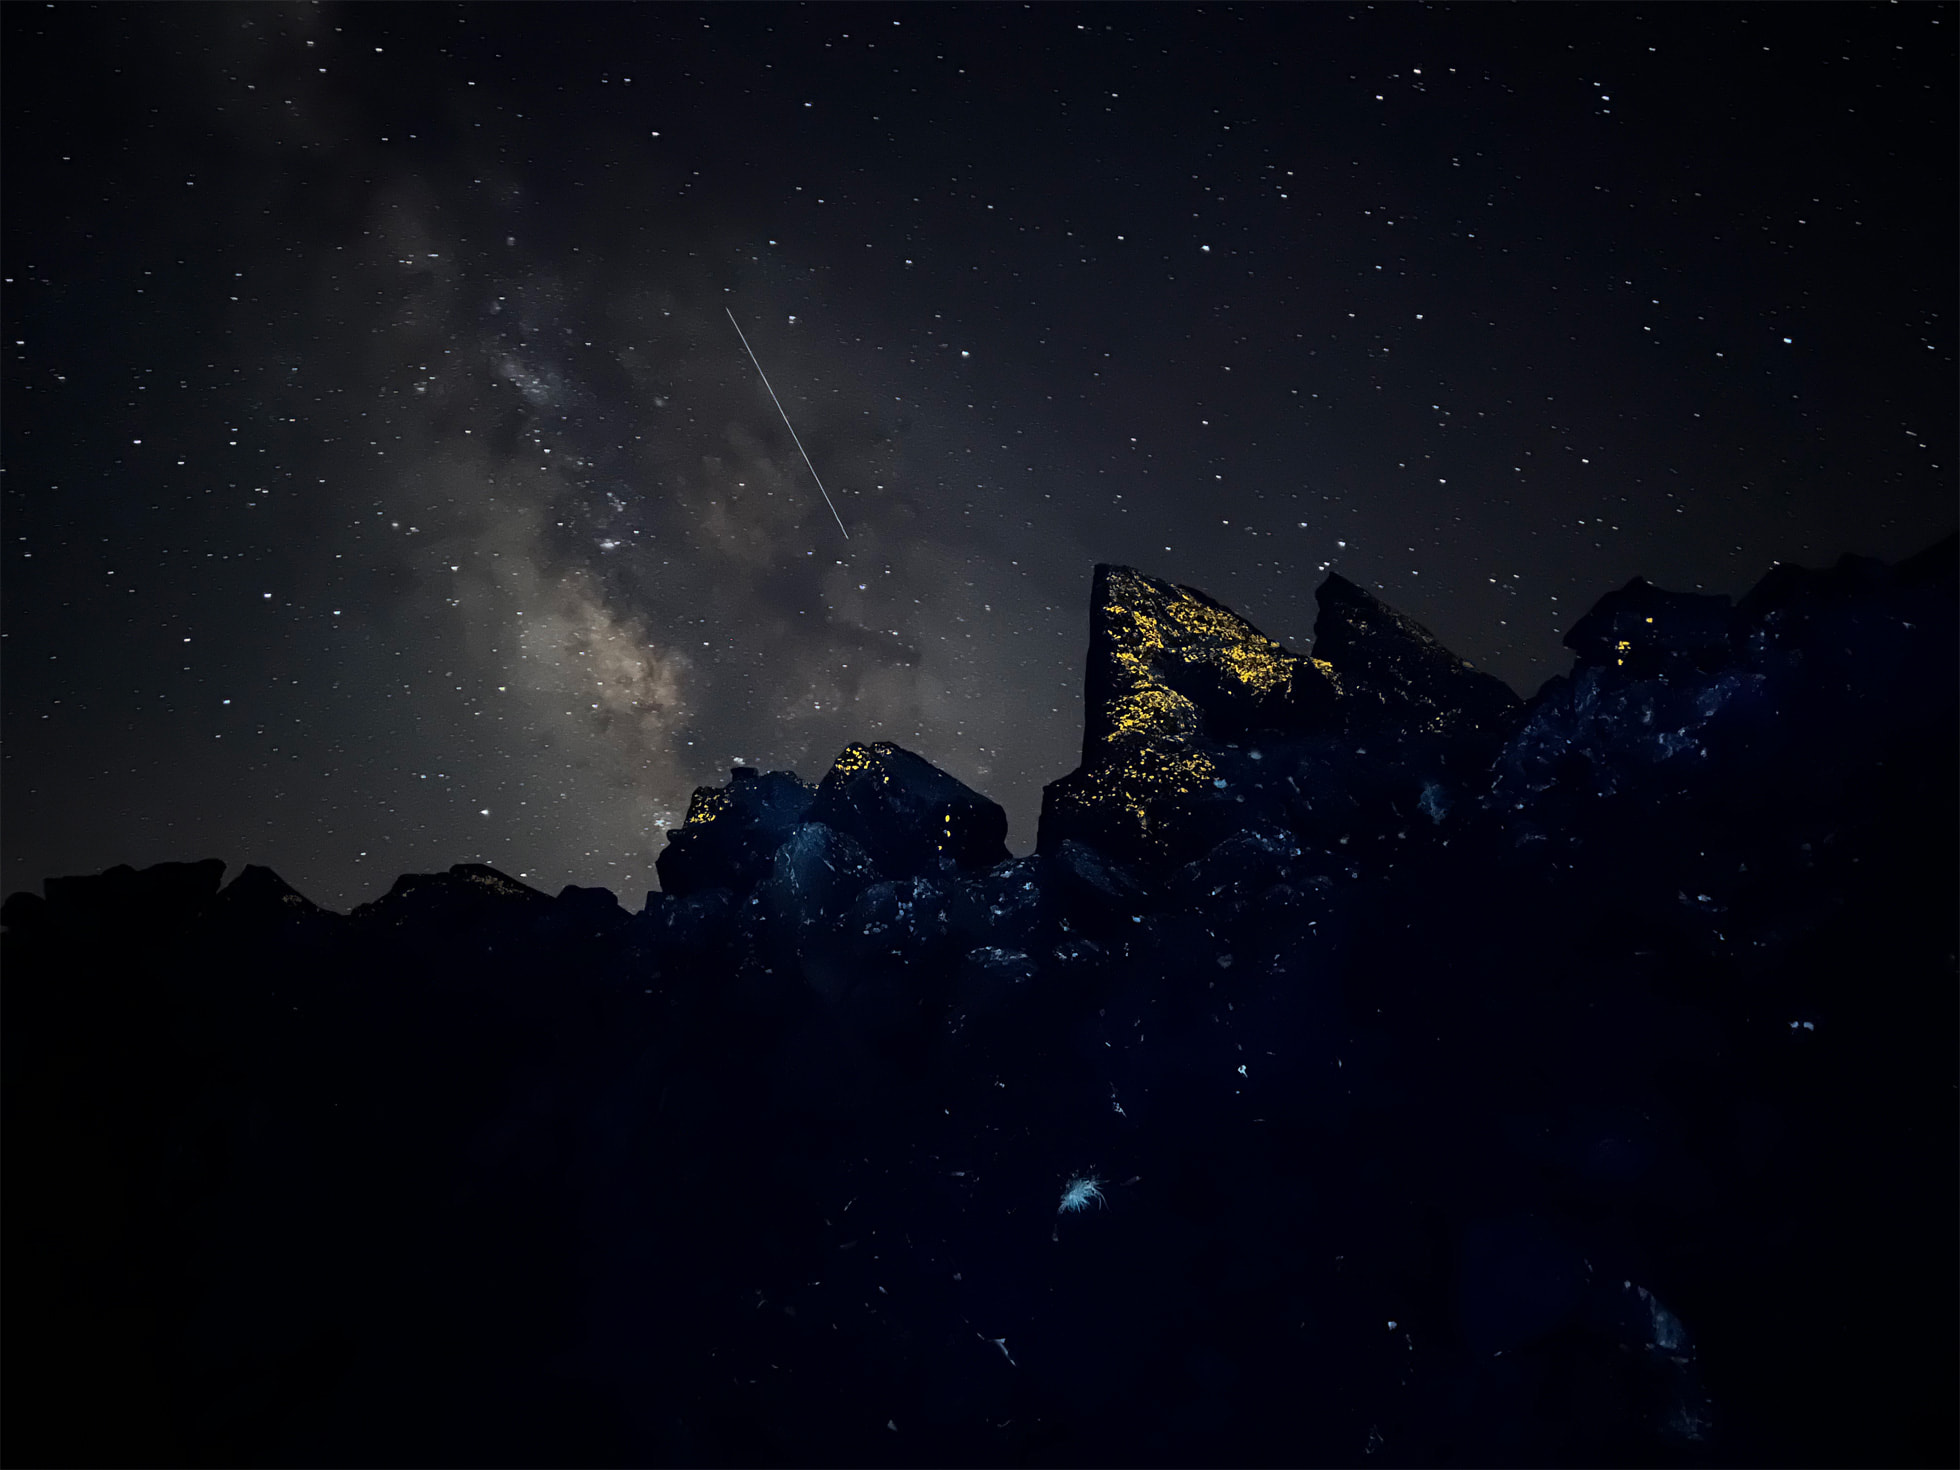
[{"x": 1366, "y": 1066}]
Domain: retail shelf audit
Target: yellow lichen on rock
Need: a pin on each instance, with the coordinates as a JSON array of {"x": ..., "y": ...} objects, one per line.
[
  {"x": 707, "y": 805},
  {"x": 858, "y": 756},
  {"x": 1151, "y": 625},
  {"x": 1147, "y": 773}
]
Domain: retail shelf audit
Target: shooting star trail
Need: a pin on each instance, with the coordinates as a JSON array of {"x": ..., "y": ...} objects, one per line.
[{"x": 786, "y": 423}]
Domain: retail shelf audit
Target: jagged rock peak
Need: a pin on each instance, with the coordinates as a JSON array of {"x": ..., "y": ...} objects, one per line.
[
  {"x": 1644, "y": 630},
  {"x": 732, "y": 832},
  {"x": 468, "y": 892},
  {"x": 1194, "y": 718},
  {"x": 907, "y": 814},
  {"x": 1169, "y": 663},
  {"x": 260, "y": 892},
  {"x": 1392, "y": 672}
]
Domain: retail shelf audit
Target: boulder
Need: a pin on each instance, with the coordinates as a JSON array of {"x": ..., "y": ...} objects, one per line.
[
  {"x": 731, "y": 832},
  {"x": 1199, "y": 726},
  {"x": 909, "y": 816},
  {"x": 815, "y": 878}
]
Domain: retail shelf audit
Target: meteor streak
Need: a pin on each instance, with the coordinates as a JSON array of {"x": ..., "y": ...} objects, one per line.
[{"x": 786, "y": 423}]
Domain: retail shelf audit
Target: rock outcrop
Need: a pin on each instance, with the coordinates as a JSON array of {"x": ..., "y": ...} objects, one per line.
[
  {"x": 1199, "y": 727},
  {"x": 1446, "y": 1078}
]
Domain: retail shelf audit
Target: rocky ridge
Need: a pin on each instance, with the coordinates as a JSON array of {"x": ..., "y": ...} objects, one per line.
[{"x": 1463, "y": 1078}]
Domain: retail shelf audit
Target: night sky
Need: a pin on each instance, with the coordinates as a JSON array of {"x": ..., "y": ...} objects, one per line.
[{"x": 387, "y": 487}]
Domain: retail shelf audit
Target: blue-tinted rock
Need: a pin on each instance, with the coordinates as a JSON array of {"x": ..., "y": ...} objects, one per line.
[
  {"x": 911, "y": 817},
  {"x": 731, "y": 832},
  {"x": 1601, "y": 730},
  {"x": 901, "y": 919},
  {"x": 1089, "y": 894},
  {"x": 802, "y": 906},
  {"x": 1004, "y": 906},
  {"x": 1093, "y": 876},
  {"x": 1415, "y": 1082},
  {"x": 1858, "y": 633},
  {"x": 1669, "y": 1401},
  {"x": 1234, "y": 872}
]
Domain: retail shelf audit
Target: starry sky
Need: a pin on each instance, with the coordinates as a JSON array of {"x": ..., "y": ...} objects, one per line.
[{"x": 387, "y": 485}]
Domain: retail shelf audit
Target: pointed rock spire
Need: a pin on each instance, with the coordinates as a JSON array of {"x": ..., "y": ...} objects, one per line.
[
  {"x": 1393, "y": 673},
  {"x": 1194, "y": 720}
]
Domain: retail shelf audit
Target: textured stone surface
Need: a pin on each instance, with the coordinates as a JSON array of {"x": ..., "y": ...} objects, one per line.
[
  {"x": 909, "y": 815},
  {"x": 731, "y": 832},
  {"x": 1167, "y": 663},
  {"x": 1197, "y": 722},
  {"x": 1392, "y": 674}
]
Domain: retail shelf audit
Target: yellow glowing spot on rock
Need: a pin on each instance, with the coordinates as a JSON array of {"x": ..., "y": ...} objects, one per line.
[
  {"x": 707, "y": 805},
  {"x": 859, "y": 756},
  {"x": 1145, "y": 622},
  {"x": 1147, "y": 773}
]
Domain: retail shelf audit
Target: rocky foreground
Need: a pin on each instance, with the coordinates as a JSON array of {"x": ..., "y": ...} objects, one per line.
[{"x": 1368, "y": 1066}]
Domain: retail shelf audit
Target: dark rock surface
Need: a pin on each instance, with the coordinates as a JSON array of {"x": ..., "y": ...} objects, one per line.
[
  {"x": 731, "y": 833},
  {"x": 1200, "y": 727},
  {"x": 908, "y": 815},
  {"x": 1461, "y": 1080},
  {"x": 162, "y": 899},
  {"x": 1392, "y": 674}
]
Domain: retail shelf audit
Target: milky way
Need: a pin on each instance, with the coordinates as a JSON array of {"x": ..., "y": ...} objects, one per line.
[
  {"x": 386, "y": 487},
  {"x": 575, "y": 489}
]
